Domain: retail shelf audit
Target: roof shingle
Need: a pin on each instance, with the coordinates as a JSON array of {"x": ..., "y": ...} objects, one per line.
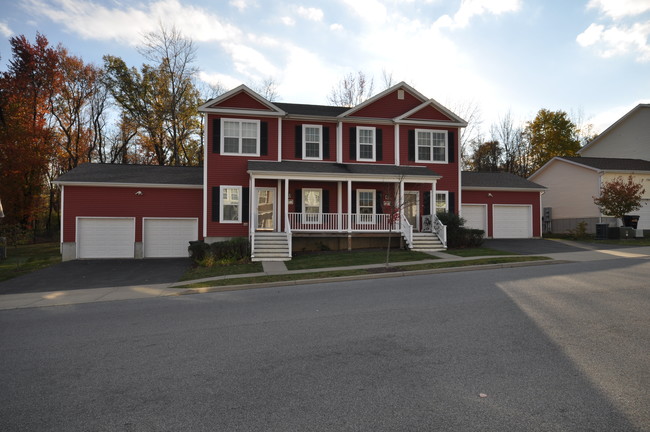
[
  {"x": 611, "y": 163},
  {"x": 496, "y": 180},
  {"x": 122, "y": 173},
  {"x": 340, "y": 168}
]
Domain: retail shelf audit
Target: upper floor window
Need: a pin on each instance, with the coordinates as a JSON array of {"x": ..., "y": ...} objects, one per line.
[
  {"x": 366, "y": 143},
  {"x": 431, "y": 146},
  {"x": 240, "y": 137},
  {"x": 312, "y": 142}
]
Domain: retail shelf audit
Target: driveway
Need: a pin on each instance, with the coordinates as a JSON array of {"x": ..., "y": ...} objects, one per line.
[{"x": 81, "y": 274}]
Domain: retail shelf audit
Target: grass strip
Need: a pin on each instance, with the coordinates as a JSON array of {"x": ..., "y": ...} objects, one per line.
[
  {"x": 303, "y": 261},
  {"x": 355, "y": 272},
  {"x": 221, "y": 270},
  {"x": 24, "y": 259}
]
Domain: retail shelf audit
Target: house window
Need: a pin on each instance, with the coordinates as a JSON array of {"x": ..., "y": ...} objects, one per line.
[
  {"x": 230, "y": 204},
  {"x": 312, "y": 142},
  {"x": 240, "y": 137},
  {"x": 365, "y": 206},
  {"x": 431, "y": 145},
  {"x": 312, "y": 205},
  {"x": 441, "y": 202},
  {"x": 365, "y": 143}
]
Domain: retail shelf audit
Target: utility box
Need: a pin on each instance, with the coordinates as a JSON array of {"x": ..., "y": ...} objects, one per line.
[{"x": 601, "y": 231}]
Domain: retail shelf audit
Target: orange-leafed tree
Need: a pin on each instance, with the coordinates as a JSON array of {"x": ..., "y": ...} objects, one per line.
[{"x": 619, "y": 197}]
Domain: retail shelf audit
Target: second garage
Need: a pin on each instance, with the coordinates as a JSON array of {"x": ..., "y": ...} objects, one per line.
[
  {"x": 168, "y": 237},
  {"x": 512, "y": 221}
]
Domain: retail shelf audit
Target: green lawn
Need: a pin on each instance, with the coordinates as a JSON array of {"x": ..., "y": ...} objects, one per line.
[
  {"x": 27, "y": 258},
  {"x": 352, "y": 258},
  {"x": 221, "y": 270},
  {"x": 474, "y": 252}
]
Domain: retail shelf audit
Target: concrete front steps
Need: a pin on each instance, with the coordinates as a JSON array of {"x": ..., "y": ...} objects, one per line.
[
  {"x": 426, "y": 242},
  {"x": 270, "y": 246}
]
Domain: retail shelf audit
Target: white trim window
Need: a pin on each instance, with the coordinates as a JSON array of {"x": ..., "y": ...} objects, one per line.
[
  {"x": 312, "y": 205},
  {"x": 312, "y": 142},
  {"x": 442, "y": 201},
  {"x": 366, "y": 143},
  {"x": 366, "y": 205},
  {"x": 230, "y": 205},
  {"x": 240, "y": 137},
  {"x": 431, "y": 145}
]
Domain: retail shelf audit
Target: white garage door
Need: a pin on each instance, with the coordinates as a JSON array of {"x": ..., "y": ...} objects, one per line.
[
  {"x": 511, "y": 221},
  {"x": 475, "y": 216},
  {"x": 166, "y": 238},
  {"x": 105, "y": 237},
  {"x": 644, "y": 213}
]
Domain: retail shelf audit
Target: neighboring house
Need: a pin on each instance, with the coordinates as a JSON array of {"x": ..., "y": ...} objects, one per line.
[
  {"x": 502, "y": 204},
  {"x": 288, "y": 177},
  {"x": 623, "y": 150}
]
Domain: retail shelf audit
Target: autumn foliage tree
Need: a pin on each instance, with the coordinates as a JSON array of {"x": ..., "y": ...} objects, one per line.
[
  {"x": 551, "y": 134},
  {"x": 619, "y": 197}
]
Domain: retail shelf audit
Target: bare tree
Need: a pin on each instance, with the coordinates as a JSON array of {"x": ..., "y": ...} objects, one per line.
[
  {"x": 267, "y": 88},
  {"x": 387, "y": 79},
  {"x": 351, "y": 90},
  {"x": 515, "y": 149},
  {"x": 469, "y": 111}
]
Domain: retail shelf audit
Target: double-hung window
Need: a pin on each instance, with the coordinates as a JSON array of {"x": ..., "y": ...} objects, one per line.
[
  {"x": 431, "y": 145},
  {"x": 240, "y": 137},
  {"x": 312, "y": 205},
  {"x": 366, "y": 143},
  {"x": 365, "y": 206},
  {"x": 312, "y": 142},
  {"x": 441, "y": 202},
  {"x": 230, "y": 204}
]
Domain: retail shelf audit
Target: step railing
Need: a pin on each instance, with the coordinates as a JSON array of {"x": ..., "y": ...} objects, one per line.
[{"x": 407, "y": 230}]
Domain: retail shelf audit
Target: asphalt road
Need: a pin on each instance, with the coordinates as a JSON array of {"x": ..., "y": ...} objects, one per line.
[{"x": 552, "y": 348}]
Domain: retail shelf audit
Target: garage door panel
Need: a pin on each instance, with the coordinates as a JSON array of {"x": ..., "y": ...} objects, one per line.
[
  {"x": 511, "y": 221},
  {"x": 475, "y": 216},
  {"x": 167, "y": 238},
  {"x": 105, "y": 237}
]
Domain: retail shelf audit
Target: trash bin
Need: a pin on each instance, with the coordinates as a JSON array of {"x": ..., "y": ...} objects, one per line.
[
  {"x": 631, "y": 221},
  {"x": 601, "y": 231}
]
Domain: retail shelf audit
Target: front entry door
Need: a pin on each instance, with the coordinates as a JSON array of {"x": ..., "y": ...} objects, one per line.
[
  {"x": 265, "y": 209},
  {"x": 412, "y": 209}
]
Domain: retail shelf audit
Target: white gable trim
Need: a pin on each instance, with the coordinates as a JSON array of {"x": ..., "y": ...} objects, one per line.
[
  {"x": 561, "y": 159},
  {"x": 402, "y": 85},
  {"x": 455, "y": 120},
  {"x": 615, "y": 125},
  {"x": 206, "y": 107}
]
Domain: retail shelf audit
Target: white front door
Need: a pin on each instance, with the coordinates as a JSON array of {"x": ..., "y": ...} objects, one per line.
[
  {"x": 412, "y": 208},
  {"x": 265, "y": 209}
]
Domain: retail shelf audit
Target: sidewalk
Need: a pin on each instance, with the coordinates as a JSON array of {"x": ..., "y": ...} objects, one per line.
[{"x": 59, "y": 298}]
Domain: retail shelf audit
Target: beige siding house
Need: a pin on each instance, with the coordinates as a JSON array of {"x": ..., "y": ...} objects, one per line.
[{"x": 623, "y": 150}]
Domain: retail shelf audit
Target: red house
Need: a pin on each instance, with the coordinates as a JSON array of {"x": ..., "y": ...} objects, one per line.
[{"x": 289, "y": 177}]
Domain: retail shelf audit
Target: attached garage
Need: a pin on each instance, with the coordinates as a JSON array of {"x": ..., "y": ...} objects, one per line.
[
  {"x": 99, "y": 237},
  {"x": 512, "y": 221},
  {"x": 475, "y": 216},
  {"x": 168, "y": 237}
]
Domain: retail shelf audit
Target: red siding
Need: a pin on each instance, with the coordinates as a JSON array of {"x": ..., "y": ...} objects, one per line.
[
  {"x": 506, "y": 197},
  {"x": 241, "y": 100},
  {"x": 389, "y": 106},
  {"x": 289, "y": 139},
  {"x": 428, "y": 113},
  {"x": 123, "y": 202},
  {"x": 388, "y": 143}
]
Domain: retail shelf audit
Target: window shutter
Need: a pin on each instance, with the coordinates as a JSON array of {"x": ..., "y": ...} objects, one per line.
[
  {"x": 297, "y": 199},
  {"x": 379, "y": 154},
  {"x": 412, "y": 145},
  {"x": 452, "y": 203},
  {"x": 326, "y": 201},
  {"x": 326, "y": 142},
  {"x": 298, "y": 142},
  {"x": 354, "y": 201},
  {"x": 245, "y": 205},
  {"x": 216, "y": 193},
  {"x": 450, "y": 147},
  {"x": 379, "y": 208},
  {"x": 264, "y": 138},
  {"x": 216, "y": 135},
  {"x": 353, "y": 143},
  {"x": 427, "y": 203}
]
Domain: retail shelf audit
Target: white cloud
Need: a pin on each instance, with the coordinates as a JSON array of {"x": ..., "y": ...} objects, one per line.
[
  {"x": 227, "y": 81},
  {"x": 471, "y": 8},
  {"x": 312, "y": 14},
  {"x": 336, "y": 27},
  {"x": 620, "y": 8},
  {"x": 241, "y": 5},
  {"x": 605, "y": 119},
  {"x": 288, "y": 21},
  {"x": 615, "y": 40},
  {"x": 372, "y": 11},
  {"x": 5, "y": 30}
]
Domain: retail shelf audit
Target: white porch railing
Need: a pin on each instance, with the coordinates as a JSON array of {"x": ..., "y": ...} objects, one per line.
[
  {"x": 440, "y": 230},
  {"x": 289, "y": 234},
  {"x": 338, "y": 222},
  {"x": 407, "y": 230}
]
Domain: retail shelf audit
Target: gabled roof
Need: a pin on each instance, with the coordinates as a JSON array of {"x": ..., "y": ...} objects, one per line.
[
  {"x": 208, "y": 106},
  {"x": 340, "y": 169},
  {"x": 497, "y": 180},
  {"x": 401, "y": 85},
  {"x": 122, "y": 174},
  {"x": 613, "y": 126},
  {"x": 455, "y": 120},
  {"x": 611, "y": 164}
]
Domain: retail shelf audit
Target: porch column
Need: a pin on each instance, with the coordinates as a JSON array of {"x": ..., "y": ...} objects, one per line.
[
  {"x": 278, "y": 210},
  {"x": 349, "y": 206},
  {"x": 401, "y": 201},
  {"x": 432, "y": 201},
  {"x": 286, "y": 203},
  {"x": 252, "y": 210},
  {"x": 339, "y": 204}
]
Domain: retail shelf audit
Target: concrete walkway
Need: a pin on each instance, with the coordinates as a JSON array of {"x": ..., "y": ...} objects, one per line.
[{"x": 79, "y": 296}]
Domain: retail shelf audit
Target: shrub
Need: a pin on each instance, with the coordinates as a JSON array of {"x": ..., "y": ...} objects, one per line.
[
  {"x": 457, "y": 235},
  {"x": 237, "y": 249},
  {"x": 580, "y": 232},
  {"x": 198, "y": 250}
]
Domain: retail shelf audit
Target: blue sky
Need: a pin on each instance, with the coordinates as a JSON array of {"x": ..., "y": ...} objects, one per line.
[{"x": 587, "y": 57}]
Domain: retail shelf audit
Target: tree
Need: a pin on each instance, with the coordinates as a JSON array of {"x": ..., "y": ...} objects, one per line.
[
  {"x": 618, "y": 197},
  {"x": 470, "y": 136},
  {"x": 551, "y": 134},
  {"x": 486, "y": 157},
  {"x": 515, "y": 157},
  {"x": 351, "y": 90}
]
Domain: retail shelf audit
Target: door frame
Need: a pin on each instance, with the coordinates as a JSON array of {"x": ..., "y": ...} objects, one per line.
[
  {"x": 417, "y": 207},
  {"x": 274, "y": 196}
]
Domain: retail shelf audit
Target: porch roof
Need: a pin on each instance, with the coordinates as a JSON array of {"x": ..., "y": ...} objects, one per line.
[{"x": 341, "y": 171}]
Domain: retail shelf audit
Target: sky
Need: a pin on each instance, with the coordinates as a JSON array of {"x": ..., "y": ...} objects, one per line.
[{"x": 590, "y": 58}]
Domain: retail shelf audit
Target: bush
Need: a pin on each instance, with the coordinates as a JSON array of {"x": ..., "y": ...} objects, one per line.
[
  {"x": 198, "y": 250},
  {"x": 457, "y": 235},
  {"x": 225, "y": 252},
  {"x": 580, "y": 232}
]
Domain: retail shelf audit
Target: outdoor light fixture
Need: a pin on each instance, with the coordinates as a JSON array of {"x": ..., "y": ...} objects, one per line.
[
  {"x": 138, "y": 193},
  {"x": 490, "y": 194}
]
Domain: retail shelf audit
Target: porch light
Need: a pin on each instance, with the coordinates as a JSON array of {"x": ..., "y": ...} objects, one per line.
[{"x": 139, "y": 193}]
